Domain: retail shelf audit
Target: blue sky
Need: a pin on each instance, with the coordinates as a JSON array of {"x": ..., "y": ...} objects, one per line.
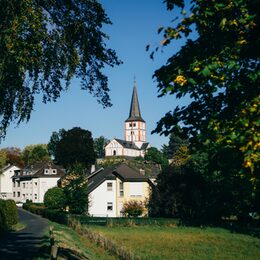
[{"x": 135, "y": 25}]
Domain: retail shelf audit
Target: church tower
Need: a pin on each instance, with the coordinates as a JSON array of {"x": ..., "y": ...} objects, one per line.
[{"x": 135, "y": 128}]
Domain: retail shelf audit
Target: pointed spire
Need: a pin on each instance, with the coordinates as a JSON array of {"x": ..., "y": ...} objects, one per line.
[{"x": 135, "y": 114}]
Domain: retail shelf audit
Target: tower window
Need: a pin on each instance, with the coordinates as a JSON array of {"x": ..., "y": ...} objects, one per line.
[
  {"x": 134, "y": 124},
  {"x": 130, "y": 124}
]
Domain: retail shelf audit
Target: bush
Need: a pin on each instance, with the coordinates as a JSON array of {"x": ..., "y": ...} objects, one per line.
[
  {"x": 2, "y": 219},
  {"x": 8, "y": 214},
  {"x": 133, "y": 208},
  {"x": 54, "y": 198},
  {"x": 56, "y": 216}
]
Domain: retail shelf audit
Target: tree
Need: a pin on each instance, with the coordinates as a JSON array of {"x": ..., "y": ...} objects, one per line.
[
  {"x": 2, "y": 160},
  {"x": 76, "y": 190},
  {"x": 174, "y": 144},
  {"x": 55, "y": 198},
  {"x": 195, "y": 191},
  {"x": 74, "y": 146},
  {"x": 35, "y": 153},
  {"x": 99, "y": 146},
  {"x": 154, "y": 155},
  {"x": 14, "y": 156},
  {"x": 45, "y": 43},
  {"x": 219, "y": 71}
]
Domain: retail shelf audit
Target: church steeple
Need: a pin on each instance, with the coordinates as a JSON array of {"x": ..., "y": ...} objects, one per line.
[
  {"x": 134, "y": 113},
  {"x": 135, "y": 129}
]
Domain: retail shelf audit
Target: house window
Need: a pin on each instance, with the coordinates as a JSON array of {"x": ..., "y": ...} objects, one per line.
[
  {"x": 54, "y": 171},
  {"x": 35, "y": 184},
  {"x": 18, "y": 184},
  {"x": 109, "y": 186},
  {"x": 110, "y": 206},
  {"x": 18, "y": 194},
  {"x": 23, "y": 184},
  {"x": 136, "y": 189},
  {"x": 121, "y": 189},
  {"x": 35, "y": 196},
  {"x": 46, "y": 171},
  {"x": 14, "y": 184},
  {"x": 13, "y": 194}
]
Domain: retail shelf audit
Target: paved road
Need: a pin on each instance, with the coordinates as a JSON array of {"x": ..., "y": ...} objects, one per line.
[{"x": 24, "y": 244}]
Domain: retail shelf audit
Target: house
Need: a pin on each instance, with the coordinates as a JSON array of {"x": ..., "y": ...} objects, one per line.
[
  {"x": 32, "y": 182},
  {"x": 134, "y": 143},
  {"x": 108, "y": 189},
  {"x": 6, "y": 182}
]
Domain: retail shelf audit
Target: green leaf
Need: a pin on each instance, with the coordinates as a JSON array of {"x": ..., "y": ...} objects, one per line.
[{"x": 223, "y": 23}]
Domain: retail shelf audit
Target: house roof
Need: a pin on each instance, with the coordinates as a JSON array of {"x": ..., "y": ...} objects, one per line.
[
  {"x": 126, "y": 173},
  {"x": 37, "y": 170},
  {"x": 7, "y": 167},
  {"x": 99, "y": 176},
  {"x": 122, "y": 171},
  {"x": 134, "y": 114}
]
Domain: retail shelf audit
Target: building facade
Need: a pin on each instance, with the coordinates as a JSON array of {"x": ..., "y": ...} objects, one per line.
[
  {"x": 134, "y": 143},
  {"x": 31, "y": 183},
  {"x": 110, "y": 188}
]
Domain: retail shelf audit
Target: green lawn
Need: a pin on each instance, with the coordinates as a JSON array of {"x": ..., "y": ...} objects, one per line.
[
  {"x": 70, "y": 240},
  {"x": 152, "y": 242}
]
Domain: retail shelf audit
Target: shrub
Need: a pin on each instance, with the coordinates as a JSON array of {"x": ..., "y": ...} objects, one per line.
[
  {"x": 2, "y": 219},
  {"x": 9, "y": 214},
  {"x": 37, "y": 209},
  {"x": 54, "y": 198},
  {"x": 133, "y": 208},
  {"x": 56, "y": 216}
]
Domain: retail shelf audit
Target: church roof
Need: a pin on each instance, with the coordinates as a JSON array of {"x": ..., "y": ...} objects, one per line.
[
  {"x": 131, "y": 145},
  {"x": 134, "y": 114}
]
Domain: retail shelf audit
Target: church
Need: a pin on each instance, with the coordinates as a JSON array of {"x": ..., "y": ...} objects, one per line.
[{"x": 134, "y": 143}]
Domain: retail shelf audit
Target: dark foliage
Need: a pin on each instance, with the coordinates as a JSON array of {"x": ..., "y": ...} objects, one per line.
[
  {"x": 71, "y": 147},
  {"x": 76, "y": 191},
  {"x": 8, "y": 214},
  {"x": 196, "y": 191}
]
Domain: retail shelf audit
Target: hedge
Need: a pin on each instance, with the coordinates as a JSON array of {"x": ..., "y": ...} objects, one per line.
[
  {"x": 8, "y": 214},
  {"x": 51, "y": 214}
]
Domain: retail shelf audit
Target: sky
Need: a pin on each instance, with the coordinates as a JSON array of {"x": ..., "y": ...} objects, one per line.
[{"x": 135, "y": 24}]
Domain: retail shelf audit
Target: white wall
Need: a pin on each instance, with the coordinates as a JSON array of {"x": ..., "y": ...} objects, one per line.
[
  {"x": 6, "y": 183},
  {"x": 99, "y": 198},
  {"x": 33, "y": 189},
  {"x": 43, "y": 185}
]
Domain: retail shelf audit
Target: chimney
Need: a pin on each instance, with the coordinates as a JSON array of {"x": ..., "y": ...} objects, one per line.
[
  {"x": 142, "y": 171},
  {"x": 93, "y": 168}
]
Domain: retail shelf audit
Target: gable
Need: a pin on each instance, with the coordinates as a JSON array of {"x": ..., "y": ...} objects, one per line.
[{"x": 113, "y": 144}]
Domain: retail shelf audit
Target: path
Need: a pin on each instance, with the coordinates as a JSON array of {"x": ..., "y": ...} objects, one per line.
[{"x": 24, "y": 244}]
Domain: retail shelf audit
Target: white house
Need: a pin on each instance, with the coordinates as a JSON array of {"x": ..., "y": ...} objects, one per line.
[
  {"x": 32, "y": 182},
  {"x": 108, "y": 190},
  {"x": 134, "y": 143},
  {"x": 6, "y": 182}
]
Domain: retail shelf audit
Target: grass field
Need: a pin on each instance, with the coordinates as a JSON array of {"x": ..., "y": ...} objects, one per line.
[
  {"x": 151, "y": 242},
  {"x": 69, "y": 240}
]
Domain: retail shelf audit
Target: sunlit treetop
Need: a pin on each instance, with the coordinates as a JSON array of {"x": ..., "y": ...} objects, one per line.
[{"x": 218, "y": 70}]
